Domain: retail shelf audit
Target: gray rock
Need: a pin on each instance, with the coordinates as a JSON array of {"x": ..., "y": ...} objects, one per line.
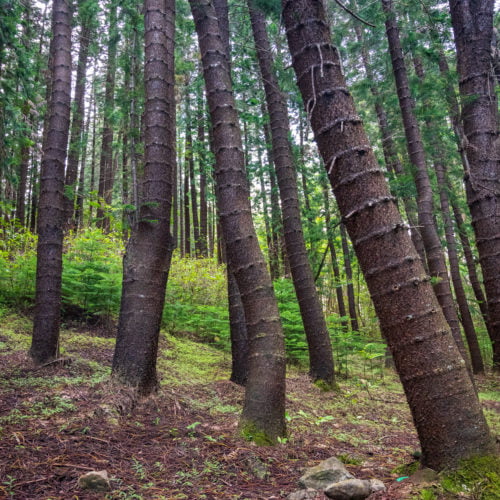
[
  {"x": 376, "y": 485},
  {"x": 323, "y": 475},
  {"x": 94, "y": 480},
  {"x": 308, "y": 494},
  {"x": 350, "y": 489}
]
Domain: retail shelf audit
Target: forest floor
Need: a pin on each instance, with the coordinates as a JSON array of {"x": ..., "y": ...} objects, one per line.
[{"x": 62, "y": 420}]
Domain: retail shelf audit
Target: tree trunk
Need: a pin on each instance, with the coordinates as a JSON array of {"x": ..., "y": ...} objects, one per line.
[
  {"x": 45, "y": 340},
  {"x": 471, "y": 267},
  {"x": 351, "y": 299},
  {"x": 437, "y": 384},
  {"x": 473, "y": 27},
  {"x": 194, "y": 200},
  {"x": 147, "y": 259},
  {"x": 333, "y": 254},
  {"x": 467, "y": 322},
  {"x": 203, "y": 238},
  {"x": 263, "y": 417},
  {"x": 106, "y": 162},
  {"x": 187, "y": 217},
  {"x": 318, "y": 339},
  {"x": 434, "y": 251},
  {"x": 75, "y": 141}
]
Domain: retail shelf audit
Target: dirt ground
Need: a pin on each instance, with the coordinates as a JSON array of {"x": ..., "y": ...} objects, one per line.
[{"x": 63, "y": 420}]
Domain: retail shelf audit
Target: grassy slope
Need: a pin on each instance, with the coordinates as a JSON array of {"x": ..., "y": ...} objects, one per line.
[{"x": 62, "y": 420}]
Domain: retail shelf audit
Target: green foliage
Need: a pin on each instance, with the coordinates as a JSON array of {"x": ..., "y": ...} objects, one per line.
[
  {"x": 92, "y": 273},
  {"x": 478, "y": 477}
]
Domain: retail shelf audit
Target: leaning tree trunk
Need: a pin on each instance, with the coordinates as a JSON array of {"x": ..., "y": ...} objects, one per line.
[
  {"x": 467, "y": 322},
  {"x": 313, "y": 319},
  {"x": 473, "y": 28},
  {"x": 433, "y": 249},
  {"x": 147, "y": 259},
  {"x": 442, "y": 398},
  {"x": 45, "y": 341},
  {"x": 263, "y": 415}
]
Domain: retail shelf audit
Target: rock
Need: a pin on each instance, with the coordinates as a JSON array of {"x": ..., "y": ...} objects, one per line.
[
  {"x": 349, "y": 489},
  {"x": 424, "y": 476},
  {"x": 308, "y": 494},
  {"x": 376, "y": 485},
  {"x": 258, "y": 468},
  {"x": 95, "y": 480},
  {"x": 323, "y": 475}
]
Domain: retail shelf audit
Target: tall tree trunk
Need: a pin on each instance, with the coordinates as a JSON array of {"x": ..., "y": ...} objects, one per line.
[
  {"x": 471, "y": 266},
  {"x": 473, "y": 27},
  {"x": 106, "y": 161},
  {"x": 467, "y": 322},
  {"x": 434, "y": 251},
  {"x": 81, "y": 175},
  {"x": 351, "y": 299},
  {"x": 75, "y": 141},
  {"x": 389, "y": 149},
  {"x": 45, "y": 340},
  {"x": 147, "y": 259},
  {"x": 433, "y": 373},
  {"x": 187, "y": 217},
  {"x": 194, "y": 202},
  {"x": 333, "y": 255},
  {"x": 203, "y": 238},
  {"x": 263, "y": 415},
  {"x": 318, "y": 339}
]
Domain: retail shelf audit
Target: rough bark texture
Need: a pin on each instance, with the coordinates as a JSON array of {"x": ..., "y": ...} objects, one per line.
[
  {"x": 467, "y": 322},
  {"x": 147, "y": 259},
  {"x": 263, "y": 415},
  {"x": 445, "y": 407},
  {"x": 75, "y": 141},
  {"x": 434, "y": 251},
  {"x": 313, "y": 319},
  {"x": 473, "y": 27},
  {"x": 45, "y": 341}
]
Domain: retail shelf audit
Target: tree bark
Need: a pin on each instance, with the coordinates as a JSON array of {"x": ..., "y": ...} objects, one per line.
[
  {"x": 473, "y": 28},
  {"x": 351, "y": 299},
  {"x": 263, "y": 416},
  {"x": 45, "y": 340},
  {"x": 203, "y": 238},
  {"x": 313, "y": 319},
  {"x": 147, "y": 259},
  {"x": 75, "y": 141},
  {"x": 467, "y": 322},
  {"x": 442, "y": 398},
  {"x": 106, "y": 176},
  {"x": 434, "y": 251}
]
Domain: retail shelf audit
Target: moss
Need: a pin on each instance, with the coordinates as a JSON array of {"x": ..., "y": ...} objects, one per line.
[
  {"x": 478, "y": 477},
  {"x": 252, "y": 432},
  {"x": 326, "y": 386},
  {"x": 406, "y": 469}
]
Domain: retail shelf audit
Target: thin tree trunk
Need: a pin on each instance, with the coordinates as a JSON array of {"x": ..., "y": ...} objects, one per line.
[
  {"x": 106, "y": 160},
  {"x": 433, "y": 373},
  {"x": 187, "y": 217},
  {"x": 83, "y": 163},
  {"x": 471, "y": 267},
  {"x": 149, "y": 251},
  {"x": 318, "y": 339},
  {"x": 434, "y": 251},
  {"x": 203, "y": 238},
  {"x": 75, "y": 141},
  {"x": 194, "y": 201},
  {"x": 263, "y": 417},
  {"x": 467, "y": 322},
  {"x": 473, "y": 27},
  {"x": 351, "y": 299},
  {"x": 45, "y": 340},
  {"x": 333, "y": 255}
]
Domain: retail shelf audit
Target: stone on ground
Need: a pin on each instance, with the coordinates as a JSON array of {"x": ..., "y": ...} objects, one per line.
[
  {"x": 95, "y": 481},
  {"x": 323, "y": 475},
  {"x": 308, "y": 494},
  {"x": 349, "y": 489}
]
